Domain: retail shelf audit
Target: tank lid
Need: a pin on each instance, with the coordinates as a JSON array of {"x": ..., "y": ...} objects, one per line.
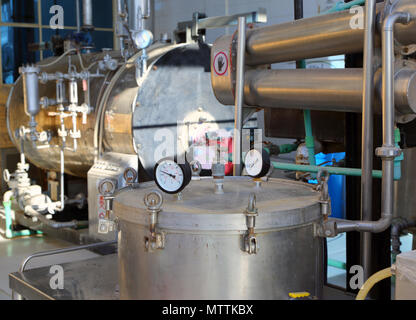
[{"x": 280, "y": 204}]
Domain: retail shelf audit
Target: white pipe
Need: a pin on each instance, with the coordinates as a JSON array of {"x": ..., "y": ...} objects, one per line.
[{"x": 8, "y": 196}]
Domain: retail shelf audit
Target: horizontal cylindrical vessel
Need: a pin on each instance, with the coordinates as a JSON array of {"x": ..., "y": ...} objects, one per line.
[
  {"x": 204, "y": 234},
  {"x": 320, "y": 36},
  {"x": 319, "y": 89},
  {"x": 126, "y": 117}
]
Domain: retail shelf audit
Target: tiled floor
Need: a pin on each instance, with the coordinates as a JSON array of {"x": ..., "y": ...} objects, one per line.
[{"x": 13, "y": 252}]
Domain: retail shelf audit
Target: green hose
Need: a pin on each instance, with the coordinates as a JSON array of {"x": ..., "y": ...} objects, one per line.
[{"x": 341, "y": 6}]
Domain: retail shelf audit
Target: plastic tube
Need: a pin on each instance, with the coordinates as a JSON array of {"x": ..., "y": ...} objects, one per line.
[
  {"x": 341, "y": 6},
  {"x": 315, "y": 169},
  {"x": 372, "y": 281}
]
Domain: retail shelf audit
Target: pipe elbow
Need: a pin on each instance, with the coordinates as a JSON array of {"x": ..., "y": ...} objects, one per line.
[{"x": 397, "y": 17}]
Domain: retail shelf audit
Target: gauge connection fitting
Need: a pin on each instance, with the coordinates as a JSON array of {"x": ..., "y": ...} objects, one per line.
[
  {"x": 153, "y": 201},
  {"x": 250, "y": 240}
]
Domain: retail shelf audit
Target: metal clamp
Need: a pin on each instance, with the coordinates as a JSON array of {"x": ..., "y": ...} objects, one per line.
[
  {"x": 325, "y": 200},
  {"x": 153, "y": 201},
  {"x": 130, "y": 176},
  {"x": 196, "y": 169},
  {"x": 107, "y": 188},
  {"x": 388, "y": 152},
  {"x": 250, "y": 239}
]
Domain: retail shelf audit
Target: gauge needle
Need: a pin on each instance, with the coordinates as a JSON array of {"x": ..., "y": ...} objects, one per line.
[
  {"x": 255, "y": 162},
  {"x": 170, "y": 175}
]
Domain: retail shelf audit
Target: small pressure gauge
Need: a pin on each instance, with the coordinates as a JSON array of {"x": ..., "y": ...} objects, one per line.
[
  {"x": 143, "y": 39},
  {"x": 257, "y": 164},
  {"x": 172, "y": 177}
]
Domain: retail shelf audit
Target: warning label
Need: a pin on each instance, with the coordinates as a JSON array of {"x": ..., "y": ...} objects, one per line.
[{"x": 221, "y": 64}]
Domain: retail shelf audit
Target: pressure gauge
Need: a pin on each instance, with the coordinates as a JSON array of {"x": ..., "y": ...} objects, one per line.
[
  {"x": 172, "y": 177},
  {"x": 257, "y": 164},
  {"x": 143, "y": 39}
]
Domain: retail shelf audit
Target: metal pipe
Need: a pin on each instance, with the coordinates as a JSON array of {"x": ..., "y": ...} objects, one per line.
[
  {"x": 239, "y": 95},
  {"x": 320, "y": 36},
  {"x": 388, "y": 151},
  {"x": 78, "y": 9},
  {"x": 87, "y": 15},
  {"x": 65, "y": 250},
  {"x": 62, "y": 179},
  {"x": 317, "y": 89},
  {"x": 367, "y": 132}
]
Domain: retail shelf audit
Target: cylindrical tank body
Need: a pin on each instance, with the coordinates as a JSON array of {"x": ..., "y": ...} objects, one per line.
[
  {"x": 203, "y": 255},
  {"x": 320, "y": 36},
  {"x": 124, "y": 113}
]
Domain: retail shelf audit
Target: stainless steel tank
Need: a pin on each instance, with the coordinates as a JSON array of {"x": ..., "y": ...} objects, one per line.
[
  {"x": 203, "y": 234},
  {"x": 126, "y": 115}
]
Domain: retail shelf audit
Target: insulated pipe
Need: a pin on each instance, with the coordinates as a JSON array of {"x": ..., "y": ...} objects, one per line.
[
  {"x": 319, "y": 89},
  {"x": 388, "y": 151},
  {"x": 367, "y": 132}
]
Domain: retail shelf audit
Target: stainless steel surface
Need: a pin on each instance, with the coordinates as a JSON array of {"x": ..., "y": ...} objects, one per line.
[
  {"x": 316, "y": 89},
  {"x": 111, "y": 166},
  {"x": 87, "y": 14},
  {"x": 64, "y": 250},
  {"x": 203, "y": 255},
  {"x": 49, "y": 158},
  {"x": 31, "y": 89},
  {"x": 404, "y": 34},
  {"x": 239, "y": 97},
  {"x": 320, "y": 36},
  {"x": 367, "y": 140},
  {"x": 176, "y": 106},
  {"x": 115, "y": 97},
  {"x": 388, "y": 151},
  {"x": 259, "y": 16},
  {"x": 93, "y": 279}
]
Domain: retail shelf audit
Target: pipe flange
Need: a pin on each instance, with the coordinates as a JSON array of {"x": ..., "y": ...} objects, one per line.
[
  {"x": 388, "y": 152},
  {"x": 29, "y": 69}
]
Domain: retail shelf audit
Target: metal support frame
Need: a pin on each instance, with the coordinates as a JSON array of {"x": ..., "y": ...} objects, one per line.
[
  {"x": 388, "y": 152},
  {"x": 239, "y": 95},
  {"x": 16, "y": 296},
  {"x": 367, "y": 132}
]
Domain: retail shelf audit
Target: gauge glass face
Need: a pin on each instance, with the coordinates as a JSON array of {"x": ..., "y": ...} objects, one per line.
[
  {"x": 143, "y": 39},
  {"x": 169, "y": 176},
  {"x": 254, "y": 163}
]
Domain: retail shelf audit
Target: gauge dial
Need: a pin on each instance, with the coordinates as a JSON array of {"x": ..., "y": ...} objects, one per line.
[
  {"x": 172, "y": 177},
  {"x": 143, "y": 39},
  {"x": 257, "y": 164}
]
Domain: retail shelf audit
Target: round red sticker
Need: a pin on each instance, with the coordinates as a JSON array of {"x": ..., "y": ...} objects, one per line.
[{"x": 221, "y": 64}]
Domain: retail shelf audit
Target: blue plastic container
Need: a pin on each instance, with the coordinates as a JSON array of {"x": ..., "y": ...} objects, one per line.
[{"x": 336, "y": 184}]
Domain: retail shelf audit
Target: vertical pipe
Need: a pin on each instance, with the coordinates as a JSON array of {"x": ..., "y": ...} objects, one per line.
[
  {"x": 78, "y": 16},
  {"x": 367, "y": 133},
  {"x": 310, "y": 142},
  {"x": 87, "y": 14},
  {"x": 388, "y": 151},
  {"x": 239, "y": 95}
]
